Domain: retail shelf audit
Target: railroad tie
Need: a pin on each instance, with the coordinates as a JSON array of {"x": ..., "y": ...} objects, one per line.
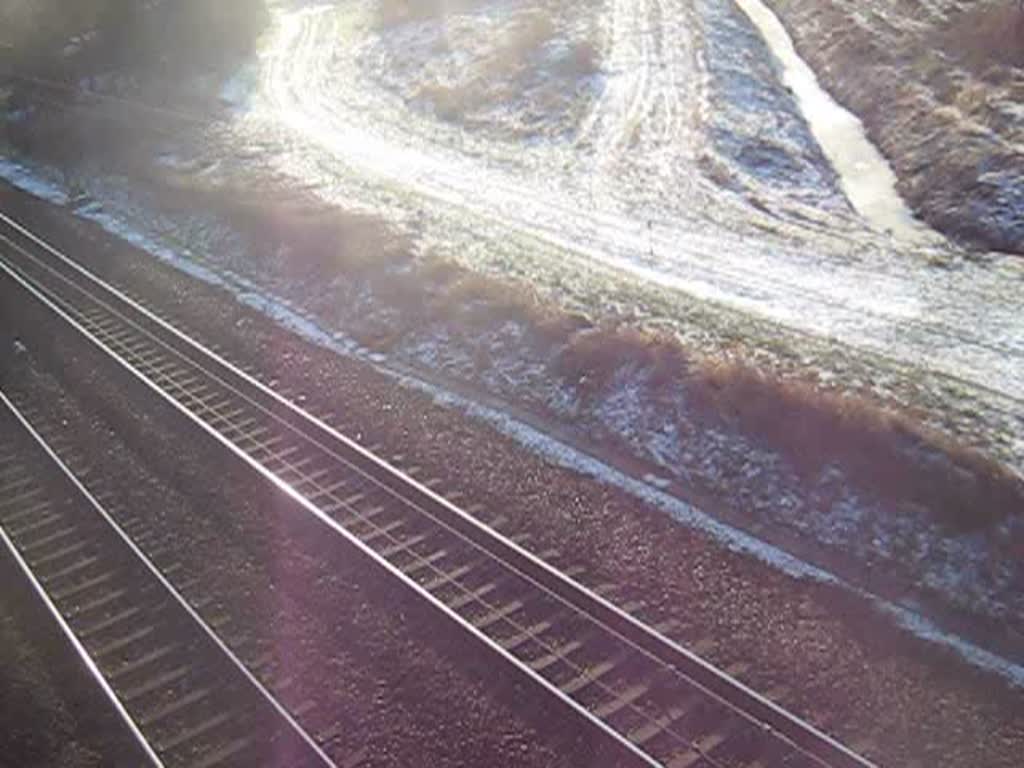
[
  {"x": 17, "y": 501},
  {"x": 560, "y": 653},
  {"x": 190, "y": 734},
  {"x": 645, "y": 733},
  {"x": 44, "y": 541},
  {"x": 313, "y": 479},
  {"x": 83, "y": 586},
  {"x": 588, "y": 677},
  {"x": 361, "y": 517},
  {"x": 498, "y": 614},
  {"x": 625, "y": 699},
  {"x": 447, "y": 578},
  {"x": 74, "y": 568},
  {"x": 420, "y": 563},
  {"x": 151, "y": 686},
  {"x": 17, "y": 480},
  {"x": 155, "y": 716},
  {"x": 402, "y": 546},
  {"x": 143, "y": 661},
  {"x": 122, "y": 643},
  {"x": 226, "y": 754},
  {"x": 469, "y": 597},
  {"x": 111, "y": 621},
  {"x": 100, "y": 602},
  {"x": 704, "y": 747},
  {"x": 512, "y": 643},
  {"x": 383, "y": 530},
  {"x": 25, "y": 513}
]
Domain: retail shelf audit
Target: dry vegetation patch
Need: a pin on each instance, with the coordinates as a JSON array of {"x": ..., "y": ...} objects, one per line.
[
  {"x": 939, "y": 87},
  {"x": 889, "y": 454},
  {"x": 986, "y": 34},
  {"x": 519, "y": 69},
  {"x": 886, "y": 454}
]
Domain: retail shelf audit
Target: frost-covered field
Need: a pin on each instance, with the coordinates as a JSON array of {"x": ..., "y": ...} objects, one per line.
[
  {"x": 675, "y": 157},
  {"x": 939, "y": 85},
  {"x": 630, "y": 159},
  {"x": 624, "y": 188}
]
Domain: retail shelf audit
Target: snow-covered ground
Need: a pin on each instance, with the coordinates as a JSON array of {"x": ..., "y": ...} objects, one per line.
[
  {"x": 624, "y": 190},
  {"x": 682, "y": 163}
]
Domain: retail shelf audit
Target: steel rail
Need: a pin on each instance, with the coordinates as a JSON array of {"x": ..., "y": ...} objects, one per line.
[
  {"x": 719, "y": 685},
  {"x": 80, "y": 650},
  {"x": 314, "y": 755},
  {"x": 295, "y": 496}
]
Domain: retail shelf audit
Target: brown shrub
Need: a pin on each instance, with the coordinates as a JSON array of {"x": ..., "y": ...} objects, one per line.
[
  {"x": 987, "y": 33},
  {"x": 392, "y": 12},
  {"x": 320, "y": 240},
  {"x": 439, "y": 272},
  {"x": 475, "y": 299},
  {"x": 592, "y": 358},
  {"x": 887, "y": 453},
  {"x": 584, "y": 60},
  {"x": 891, "y": 455}
]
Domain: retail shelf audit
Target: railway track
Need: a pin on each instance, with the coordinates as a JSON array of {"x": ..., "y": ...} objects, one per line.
[
  {"x": 181, "y": 695},
  {"x": 656, "y": 701}
]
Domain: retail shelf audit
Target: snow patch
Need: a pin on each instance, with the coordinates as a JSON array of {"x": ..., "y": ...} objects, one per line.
[
  {"x": 236, "y": 93},
  {"x": 866, "y": 177},
  {"x": 661, "y": 483},
  {"x": 115, "y": 226},
  {"x": 975, "y": 655},
  {"x": 282, "y": 313},
  {"x": 32, "y": 181}
]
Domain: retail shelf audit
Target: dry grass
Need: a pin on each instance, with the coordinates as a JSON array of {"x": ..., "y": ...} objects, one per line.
[
  {"x": 500, "y": 69},
  {"x": 473, "y": 298},
  {"x": 886, "y": 453},
  {"x": 990, "y": 33},
  {"x": 880, "y": 452},
  {"x": 457, "y": 299},
  {"x": 593, "y": 357},
  {"x": 584, "y": 60},
  {"x": 497, "y": 77},
  {"x": 392, "y": 12},
  {"x": 300, "y": 234},
  {"x": 323, "y": 241}
]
